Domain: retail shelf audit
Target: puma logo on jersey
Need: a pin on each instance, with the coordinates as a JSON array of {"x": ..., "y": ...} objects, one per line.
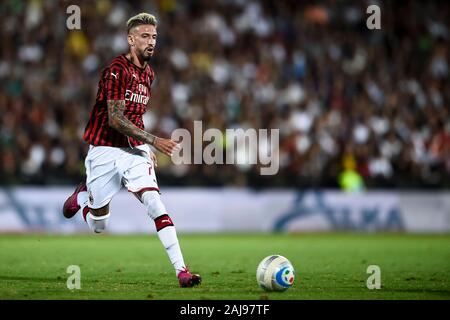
[{"x": 115, "y": 75}]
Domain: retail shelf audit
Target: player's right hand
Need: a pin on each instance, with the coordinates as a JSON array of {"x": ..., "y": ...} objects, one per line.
[{"x": 166, "y": 146}]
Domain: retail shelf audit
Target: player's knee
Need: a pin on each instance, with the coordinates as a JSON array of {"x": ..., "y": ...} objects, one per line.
[
  {"x": 155, "y": 207},
  {"x": 97, "y": 224}
]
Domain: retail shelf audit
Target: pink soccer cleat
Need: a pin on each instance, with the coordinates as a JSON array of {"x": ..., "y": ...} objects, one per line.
[
  {"x": 187, "y": 279},
  {"x": 71, "y": 206}
]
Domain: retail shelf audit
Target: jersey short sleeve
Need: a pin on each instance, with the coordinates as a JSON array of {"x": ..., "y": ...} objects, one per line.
[{"x": 115, "y": 81}]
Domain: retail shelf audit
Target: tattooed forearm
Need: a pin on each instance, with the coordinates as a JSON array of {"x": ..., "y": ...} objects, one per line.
[{"x": 118, "y": 121}]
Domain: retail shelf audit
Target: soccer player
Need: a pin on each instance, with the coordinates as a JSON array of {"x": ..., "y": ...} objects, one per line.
[{"x": 119, "y": 153}]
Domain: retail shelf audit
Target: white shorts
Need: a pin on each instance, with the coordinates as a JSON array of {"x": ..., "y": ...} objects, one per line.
[{"x": 110, "y": 168}]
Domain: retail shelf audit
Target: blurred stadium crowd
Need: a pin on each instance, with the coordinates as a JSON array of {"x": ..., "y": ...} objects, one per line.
[{"x": 355, "y": 107}]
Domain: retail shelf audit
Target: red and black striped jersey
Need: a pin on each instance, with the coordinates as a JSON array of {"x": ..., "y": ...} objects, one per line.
[{"x": 121, "y": 80}]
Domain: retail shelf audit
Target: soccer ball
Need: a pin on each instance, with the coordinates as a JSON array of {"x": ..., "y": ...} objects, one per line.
[{"x": 275, "y": 273}]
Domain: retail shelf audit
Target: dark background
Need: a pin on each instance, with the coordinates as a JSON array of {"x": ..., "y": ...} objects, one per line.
[{"x": 375, "y": 102}]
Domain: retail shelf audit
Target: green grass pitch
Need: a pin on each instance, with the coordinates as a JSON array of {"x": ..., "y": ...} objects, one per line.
[{"x": 328, "y": 266}]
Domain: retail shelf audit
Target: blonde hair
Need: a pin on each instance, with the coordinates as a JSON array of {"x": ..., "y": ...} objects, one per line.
[{"x": 141, "y": 18}]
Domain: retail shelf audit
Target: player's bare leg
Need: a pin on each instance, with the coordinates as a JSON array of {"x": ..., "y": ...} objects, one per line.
[
  {"x": 168, "y": 237},
  {"x": 97, "y": 219}
]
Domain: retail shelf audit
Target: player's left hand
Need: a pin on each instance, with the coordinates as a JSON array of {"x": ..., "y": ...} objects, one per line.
[{"x": 166, "y": 146}]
